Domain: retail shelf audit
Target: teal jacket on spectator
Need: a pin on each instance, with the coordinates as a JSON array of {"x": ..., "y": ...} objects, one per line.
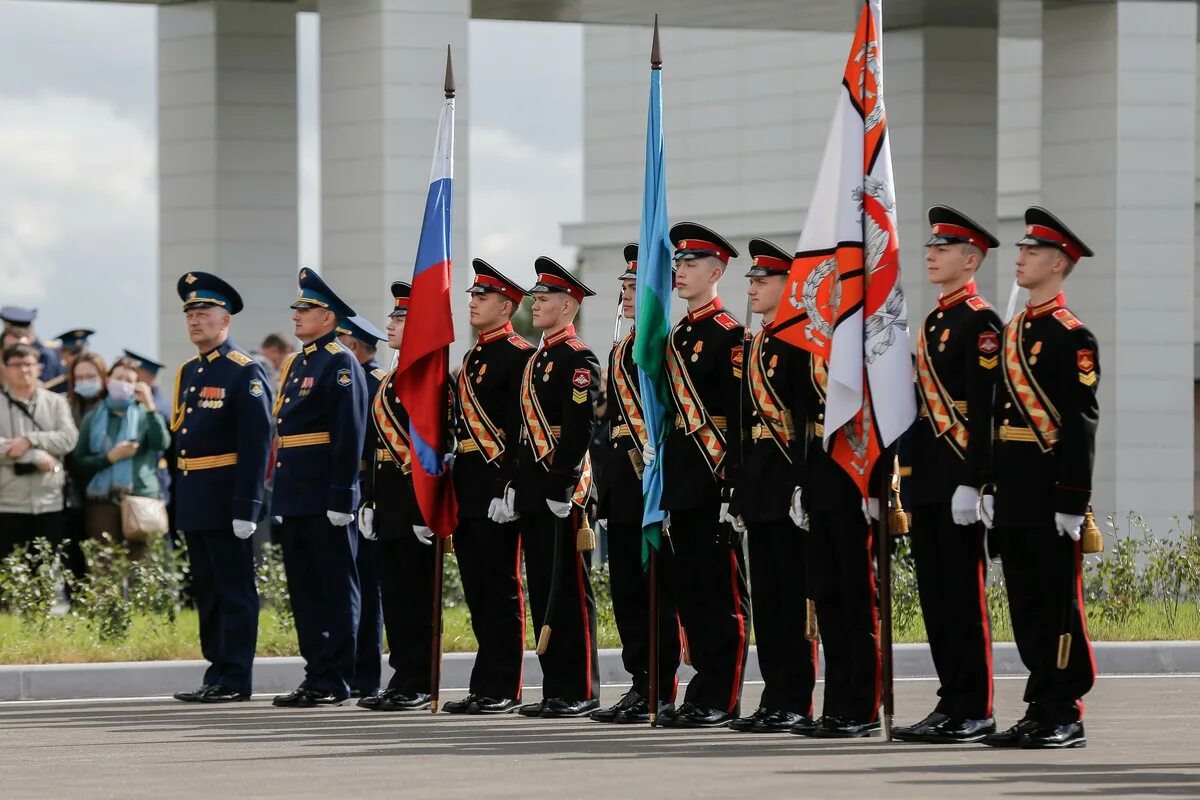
[{"x": 152, "y": 437}]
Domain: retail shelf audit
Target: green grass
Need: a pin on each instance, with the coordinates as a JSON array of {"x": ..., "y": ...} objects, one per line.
[{"x": 65, "y": 640}]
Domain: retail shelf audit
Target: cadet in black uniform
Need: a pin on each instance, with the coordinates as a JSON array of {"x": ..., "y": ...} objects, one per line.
[
  {"x": 320, "y": 416},
  {"x": 557, "y": 399},
  {"x": 221, "y": 426},
  {"x": 704, "y": 362},
  {"x": 769, "y": 500},
  {"x": 360, "y": 336},
  {"x": 958, "y": 352},
  {"x": 1046, "y": 416},
  {"x": 406, "y": 558},
  {"x": 489, "y": 553},
  {"x": 621, "y": 508}
]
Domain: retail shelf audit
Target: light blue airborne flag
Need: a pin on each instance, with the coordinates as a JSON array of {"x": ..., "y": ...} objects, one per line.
[{"x": 653, "y": 305}]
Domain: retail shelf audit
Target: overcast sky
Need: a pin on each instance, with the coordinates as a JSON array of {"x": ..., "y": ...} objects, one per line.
[{"x": 78, "y": 180}]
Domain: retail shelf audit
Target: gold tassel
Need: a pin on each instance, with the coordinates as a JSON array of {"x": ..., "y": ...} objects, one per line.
[
  {"x": 1091, "y": 541},
  {"x": 585, "y": 538},
  {"x": 811, "y": 631},
  {"x": 897, "y": 519},
  {"x": 1064, "y": 650},
  {"x": 543, "y": 640},
  {"x": 449, "y": 546}
]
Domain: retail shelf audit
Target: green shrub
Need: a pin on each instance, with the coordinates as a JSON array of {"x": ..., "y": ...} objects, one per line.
[
  {"x": 29, "y": 579},
  {"x": 271, "y": 578},
  {"x": 102, "y": 594}
]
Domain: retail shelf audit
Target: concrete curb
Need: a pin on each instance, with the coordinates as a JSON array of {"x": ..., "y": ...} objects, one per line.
[{"x": 277, "y": 675}]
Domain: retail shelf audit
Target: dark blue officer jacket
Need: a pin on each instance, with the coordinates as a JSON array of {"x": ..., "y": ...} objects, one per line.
[
  {"x": 321, "y": 419},
  {"x": 221, "y": 423}
]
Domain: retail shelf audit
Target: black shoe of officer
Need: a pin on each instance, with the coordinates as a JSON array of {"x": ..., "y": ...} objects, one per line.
[
  {"x": 690, "y": 715},
  {"x": 222, "y": 694},
  {"x": 640, "y": 713},
  {"x": 394, "y": 700},
  {"x": 918, "y": 732},
  {"x": 831, "y": 726},
  {"x": 532, "y": 709},
  {"x": 309, "y": 698},
  {"x": 804, "y": 726},
  {"x": 1069, "y": 734},
  {"x": 494, "y": 705},
  {"x": 192, "y": 696},
  {"x": 370, "y": 701},
  {"x": 627, "y": 701},
  {"x": 1013, "y": 736},
  {"x": 742, "y": 724},
  {"x": 778, "y": 721},
  {"x": 960, "y": 731},
  {"x": 554, "y": 708}
]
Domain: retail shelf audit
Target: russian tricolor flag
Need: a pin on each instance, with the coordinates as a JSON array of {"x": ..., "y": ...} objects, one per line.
[{"x": 423, "y": 370}]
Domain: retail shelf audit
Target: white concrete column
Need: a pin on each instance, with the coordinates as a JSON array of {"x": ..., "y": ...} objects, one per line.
[
  {"x": 382, "y": 68},
  {"x": 227, "y": 160},
  {"x": 1119, "y": 167},
  {"x": 940, "y": 87}
]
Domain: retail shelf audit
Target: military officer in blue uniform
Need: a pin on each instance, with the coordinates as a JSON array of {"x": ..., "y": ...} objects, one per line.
[
  {"x": 221, "y": 423},
  {"x": 72, "y": 344},
  {"x": 16, "y": 318},
  {"x": 362, "y": 338},
  {"x": 320, "y": 417}
]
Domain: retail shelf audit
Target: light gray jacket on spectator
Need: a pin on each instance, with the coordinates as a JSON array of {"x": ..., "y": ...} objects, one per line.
[{"x": 39, "y": 492}]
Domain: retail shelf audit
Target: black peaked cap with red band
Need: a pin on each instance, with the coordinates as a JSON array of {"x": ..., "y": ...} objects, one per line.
[
  {"x": 1043, "y": 229},
  {"x": 947, "y": 226},
  {"x": 400, "y": 293},
  {"x": 551, "y": 277},
  {"x": 490, "y": 279},
  {"x": 767, "y": 258},
  {"x": 631, "y": 254},
  {"x": 693, "y": 240}
]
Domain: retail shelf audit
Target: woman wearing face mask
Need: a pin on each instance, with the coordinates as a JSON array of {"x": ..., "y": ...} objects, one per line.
[
  {"x": 120, "y": 443},
  {"x": 85, "y": 390}
]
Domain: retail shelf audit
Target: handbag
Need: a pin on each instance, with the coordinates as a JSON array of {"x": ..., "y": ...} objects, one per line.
[{"x": 142, "y": 516}]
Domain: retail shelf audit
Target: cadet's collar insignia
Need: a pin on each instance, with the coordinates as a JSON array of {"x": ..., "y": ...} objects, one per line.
[
  {"x": 560, "y": 337},
  {"x": 503, "y": 331},
  {"x": 518, "y": 341},
  {"x": 343, "y": 377},
  {"x": 707, "y": 310},
  {"x": 213, "y": 356},
  {"x": 334, "y": 347},
  {"x": 379, "y": 374},
  {"x": 189, "y": 280},
  {"x": 977, "y": 303},
  {"x": 1042, "y": 309},
  {"x": 1068, "y": 320},
  {"x": 957, "y": 296},
  {"x": 256, "y": 387},
  {"x": 309, "y": 349},
  {"x": 576, "y": 344},
  {"x": 582, "y": 378}
]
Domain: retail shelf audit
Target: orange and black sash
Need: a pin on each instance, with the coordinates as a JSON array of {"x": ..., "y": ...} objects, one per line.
[
  {"x": 629, "y": 399},
  {"x": 694, "y": 417},
  {"x": 1037, "y": 409},
  {"x": 533, "y": 419},
  {"x": 391, "y": 432},
  {"x": 483, "y": 432},
  {"x": 770, "y": 408},
  {"x": 944, "y": 415}
]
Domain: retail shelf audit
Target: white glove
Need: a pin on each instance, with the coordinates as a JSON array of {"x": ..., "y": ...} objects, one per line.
[
  {"x": 723, "y": 513},
  {"x": 423, "y": 534},
  {"x": 276, "y": 520},
  {"x": 338, "y": 519},
  {"x": 448, "y": 461},
  {"x": 243, "y": 529},
  {"x": 737, "y": 524},
  {"x": 494, "y": 509},
  {"x": 987, "y": 510},
  {"x": 559, "y": 508},
  {"x": 503, "y": 510},
  {"x": 602, "y": 523},
  {"x": 648, "y": 454},
  {"x": 366, "y": 523},
  {"x": 964, "y": 505},
  {"x": 796, "y": 512},
  {"x": 1068, "y": 525},
  {"x": 870, "y": 509}
]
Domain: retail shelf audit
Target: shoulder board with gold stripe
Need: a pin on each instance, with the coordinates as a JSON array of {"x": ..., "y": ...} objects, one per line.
[
  {"x": 1068, "y": 320},
  {"x": 241, "y": 359},
  {"x": 576, "y": 344},
  {"x": 977, "y": 303},
  {"x": 334, "y": 348},
  {"x": 518, "y": 341},
  {"x": 726, "y": 320},
  {"x": 379, "y": 374}
]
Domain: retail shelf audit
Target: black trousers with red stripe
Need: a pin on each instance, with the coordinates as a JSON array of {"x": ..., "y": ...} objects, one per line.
[
  {"x": 1042, "y": 573},
  {"x": 489, "y": 560},
  {"x": 779, "y": 586},
  {"x": 951, "y": 578},
  {"x": 841, "y": 580},
  {"x": 631, "y": 607},
  {"x": 406, "y": 569},
  {"x": 709, "y": 580},
  {"x": 570, "y": 665}
]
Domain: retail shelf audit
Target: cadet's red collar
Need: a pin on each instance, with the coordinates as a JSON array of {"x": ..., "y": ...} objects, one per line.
[
  {"x": 957, "y": 296},
  {"x": 503, "y": 332},
  {"x": 709, "y": 309},
  {"x": 1050, "y": 306},
  {"x": 560, "y": 337}
]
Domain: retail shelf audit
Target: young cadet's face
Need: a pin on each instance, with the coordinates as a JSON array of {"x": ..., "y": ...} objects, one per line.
[
  {"x": 628, "y": 297},
  {"x": 489, "y": 310},
  {"x": 395, "y": 330},
  {"x": 946, "y": 263},
  {"x": 1036, "y": 265},
  {"x": 765, "y": 293},
  {"x": 549, "y": 309},
  {"x": 695, "y": 276}
]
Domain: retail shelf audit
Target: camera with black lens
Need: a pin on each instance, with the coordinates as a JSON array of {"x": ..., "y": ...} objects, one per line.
[{"x": 25, "y": 469}]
